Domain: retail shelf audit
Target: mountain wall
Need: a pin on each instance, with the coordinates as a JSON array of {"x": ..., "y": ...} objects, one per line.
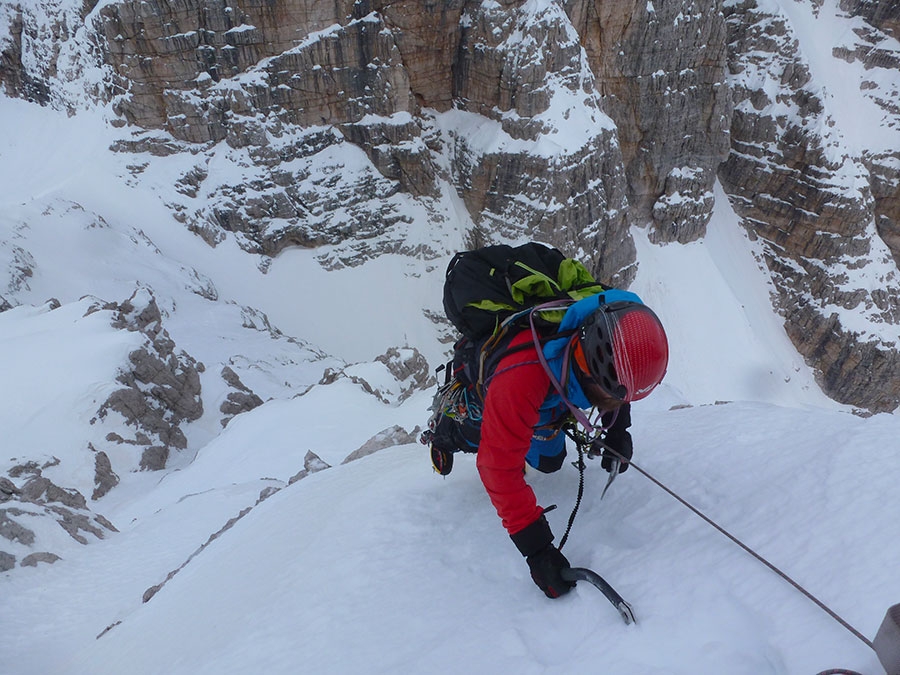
[{"x": 360, "y": 127}]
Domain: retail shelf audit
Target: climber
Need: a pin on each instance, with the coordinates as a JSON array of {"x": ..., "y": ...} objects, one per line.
[{"x": 617, "y": 355}]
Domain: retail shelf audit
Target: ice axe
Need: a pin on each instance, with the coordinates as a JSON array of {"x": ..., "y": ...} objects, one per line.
[
  {"x": 575, "y": 574},
  {"x": 887, "y": 641},
  {"x": 886, "y": 645}
]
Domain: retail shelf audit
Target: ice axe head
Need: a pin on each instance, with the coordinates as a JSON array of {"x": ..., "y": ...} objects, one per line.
[{"x": 887, "y": 641}]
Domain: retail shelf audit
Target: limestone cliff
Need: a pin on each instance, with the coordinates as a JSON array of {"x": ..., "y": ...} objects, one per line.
[
  {"x": 797, "y": 186},
  {"x": 571, "y": 121}
]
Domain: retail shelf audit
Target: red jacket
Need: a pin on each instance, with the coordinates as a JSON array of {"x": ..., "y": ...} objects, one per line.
[{"x": 511, "y": 411}]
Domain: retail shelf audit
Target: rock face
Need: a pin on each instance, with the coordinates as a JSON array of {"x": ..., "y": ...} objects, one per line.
[
  {"x": 29, "y": 501},
  {"x": 240, "y": 399},
  {"x": 392, "y": 378},
  {"x": 812, "y": 205},
  {"x": 156, "y": 390},
  {"x": 884, "y": 173},
  {"x": 883, "y": 14},
  {"x": 661, "y": 72},
  {"x": 370, "y": 76},
  {"x": 105, "y": 479},
  {"x": 523, "y": 72},
  {"x": 871, "y": 45},
  {"x": 350, "y": 124},
  {"x": 161, "y": 387}
]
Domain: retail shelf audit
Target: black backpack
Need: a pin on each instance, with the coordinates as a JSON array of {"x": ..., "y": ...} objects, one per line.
[
  {"x": 489, "y": 295},
  {"x": 484, "y": 287}
]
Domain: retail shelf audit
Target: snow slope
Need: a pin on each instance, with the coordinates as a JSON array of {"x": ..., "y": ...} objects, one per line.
[{"x": 381, "y": 566}]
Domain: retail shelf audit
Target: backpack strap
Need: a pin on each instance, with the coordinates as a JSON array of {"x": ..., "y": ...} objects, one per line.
[{"x": 496, "y": 347}]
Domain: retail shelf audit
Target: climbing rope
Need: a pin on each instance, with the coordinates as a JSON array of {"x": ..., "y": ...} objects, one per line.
[
  {"x": 821, "y": 605},
  {"x": 582, "y": 440}
]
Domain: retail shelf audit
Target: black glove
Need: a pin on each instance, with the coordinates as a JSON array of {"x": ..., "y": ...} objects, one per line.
[
  {"x": 545, "y": 561},
  {"x": 623, "y": 446},
  {"x": 616, "y": 438},
  {"x": 545, "y": 566}
]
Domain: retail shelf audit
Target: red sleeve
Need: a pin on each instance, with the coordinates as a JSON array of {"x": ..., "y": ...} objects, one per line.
[{"x": 511, "y": 412}]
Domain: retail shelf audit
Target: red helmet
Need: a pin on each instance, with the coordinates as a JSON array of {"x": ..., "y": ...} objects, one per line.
[{"x": 623, "y": 347}]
